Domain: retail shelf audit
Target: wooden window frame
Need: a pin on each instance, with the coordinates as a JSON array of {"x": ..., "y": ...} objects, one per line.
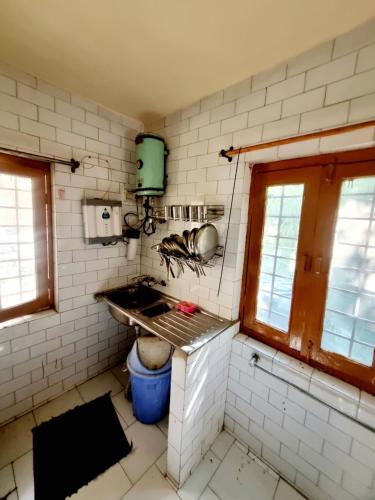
[
  {"x": 304, "y": 341},
  {"x": 42, "y": 222}
]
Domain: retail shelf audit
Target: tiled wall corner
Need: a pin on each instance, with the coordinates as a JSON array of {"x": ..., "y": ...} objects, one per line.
[
  {"x": 331, "y": 85},
  {"x": 322, "y": 440},
  {"x": 43, "y": 357},
  {"x": 198, "y": 393}
]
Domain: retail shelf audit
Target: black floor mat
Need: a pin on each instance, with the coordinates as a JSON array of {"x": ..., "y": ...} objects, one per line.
[{"x": 72, "y": 449}]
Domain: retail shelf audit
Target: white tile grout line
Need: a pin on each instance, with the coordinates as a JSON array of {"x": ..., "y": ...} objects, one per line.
[
  {"x": 145, "y": 472},
  {"x": 265, "y": 462},
  {"x": 154, "y": 463},
  {"x": 277, "y": 485},
  {"x": 220, "y": 462},
  {"x": 133, "y": 484},
  {"x": 53, "y": 399},
  {"x": 366, "y": 426},
  {"x": 75, "y": 386}
]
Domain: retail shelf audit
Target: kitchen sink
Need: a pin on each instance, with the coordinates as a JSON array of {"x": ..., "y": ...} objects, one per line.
[
  {"x": 133, "y": 296},
  {"x": 156, "y": 312}
]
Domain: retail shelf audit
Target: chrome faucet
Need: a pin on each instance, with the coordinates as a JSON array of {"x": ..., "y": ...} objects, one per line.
[{"x": 148, "y": 280}]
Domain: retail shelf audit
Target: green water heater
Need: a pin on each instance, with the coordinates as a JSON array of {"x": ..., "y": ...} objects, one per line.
[{"x": 151, "y": 155}]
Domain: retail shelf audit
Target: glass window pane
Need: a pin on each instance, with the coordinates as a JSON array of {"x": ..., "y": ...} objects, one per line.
[
  {"x": 18, "y": 278},
  {"x": 348, "y": 255},
  {"x": 293, "y": 190},
  {"x": 25, "y": 216},
  {"x": 265, "y": 282},
  {"x": 278, "y": 321},
  {"x": 360, "y": 185},
  {"x": 365, "y": 332},
  {"x": 26, "y": 251},
  {"x": 269, "y": 245},
  {"x": 7, "y": 198},
  {"x": 349, "y": 322},
  {"x": 283, "y": 286},
  {"x": 337, "y": 344},
  {"x": 292, "y": 205},
  {"x": 274, "y": 191},
  {"x": 285, "y": 267},
  {"x": 10, "y": 286},
  {"x": 338, "y": 323},
  {"x": 25, "y": 199},
  {"x": 281, "y": 305},
  {"x": 9, "y": 269},
  {"x": 287, "y": 248},
  {"x": 360, "y": 205},
  {"x": 8, "y": 216},
  {"x": 27, "y": 267},
  {"x": 273, "y": 206},
  {"x": 25, "y": 234},
  {"x": 264, "y": 300},
  {"x": 28, "y": 284},
  {"x": 338, "y": 300},
  {"x": 353, "y": 231},
  {"x": 344, "y": 279},
  {"x": 23, "y": 183},
  {"x": 271, "y": 226},
  {"x": 366, "y": 307},
  {"x": 8, "y": 234},
  {"x": 7, "y": 181},
  {"x": 362, "y": 353},
  {"x": 8, "y": 252},
  {"x": 11, "y": 300},
  {"x": 289, "y": 227},
  {"x": 280, "y": 237},
  {"x": 267, "y": 265}
]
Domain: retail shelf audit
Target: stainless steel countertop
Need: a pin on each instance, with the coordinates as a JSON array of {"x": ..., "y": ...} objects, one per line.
[{"x": 187, "y": 332}]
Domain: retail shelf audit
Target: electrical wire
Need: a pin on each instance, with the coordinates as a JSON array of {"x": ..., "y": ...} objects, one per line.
[
  {"x": 229, "y": 216},
  {"x": 90, "y": 157},
  {"x": 147, "y": 224}
]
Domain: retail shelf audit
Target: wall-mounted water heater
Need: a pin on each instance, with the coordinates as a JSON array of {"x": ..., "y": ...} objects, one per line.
[
  {"x": 102, "y": 220},
  {"x": 151, "y": 154}
]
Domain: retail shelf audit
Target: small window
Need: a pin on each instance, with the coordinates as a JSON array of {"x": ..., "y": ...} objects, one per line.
[
  {"x": 309, "y": 279},
  {"x": 26, "y": 266}
]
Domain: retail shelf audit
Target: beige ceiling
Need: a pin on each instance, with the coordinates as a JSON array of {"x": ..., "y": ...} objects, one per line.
[{"x": 147, "y": 58}]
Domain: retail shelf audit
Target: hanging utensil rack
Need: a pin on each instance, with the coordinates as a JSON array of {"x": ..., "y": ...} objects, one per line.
[
  {"x": 189, "y": 213},
  {"x": 192, "y": 263}
]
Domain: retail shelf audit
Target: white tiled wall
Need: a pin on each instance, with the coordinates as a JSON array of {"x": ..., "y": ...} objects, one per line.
[
  {"x": 41, "y": 358},
  {"x": 298, "y": 420},
  {"x": 198, "y": 395},
  {"x": 329, "y": 86}
]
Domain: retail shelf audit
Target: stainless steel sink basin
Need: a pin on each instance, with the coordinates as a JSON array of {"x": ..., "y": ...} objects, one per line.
[
  {"x": 156, "y": 312},
  {"x": 133, "y": 296}
]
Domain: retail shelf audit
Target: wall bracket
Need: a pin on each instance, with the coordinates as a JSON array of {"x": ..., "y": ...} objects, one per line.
[
  {"x": 74, "y": 165},
  {"x": 224, "y": 154}
]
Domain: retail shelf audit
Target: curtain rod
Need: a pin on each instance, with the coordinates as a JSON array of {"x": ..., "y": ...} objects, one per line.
[
  {"x": 229, "y": 153},
  {"x": 74, "y": 164}
]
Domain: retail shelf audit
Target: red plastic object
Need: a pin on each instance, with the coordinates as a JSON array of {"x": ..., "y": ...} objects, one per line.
[{"x": 187, "y": 307}]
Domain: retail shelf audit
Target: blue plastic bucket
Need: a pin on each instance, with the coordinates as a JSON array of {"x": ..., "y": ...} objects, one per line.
[{"x": 150, "y": 388}]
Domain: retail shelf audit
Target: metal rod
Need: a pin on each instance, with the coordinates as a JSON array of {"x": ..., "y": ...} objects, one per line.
[
  {"x": 290, "y": 140},
  {"x": 228, "y": 226},
  {"x": 74, "y": 164}
]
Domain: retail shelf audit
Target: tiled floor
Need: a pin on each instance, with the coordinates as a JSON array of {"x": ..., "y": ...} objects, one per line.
[{"x": 227, "y": 472}]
